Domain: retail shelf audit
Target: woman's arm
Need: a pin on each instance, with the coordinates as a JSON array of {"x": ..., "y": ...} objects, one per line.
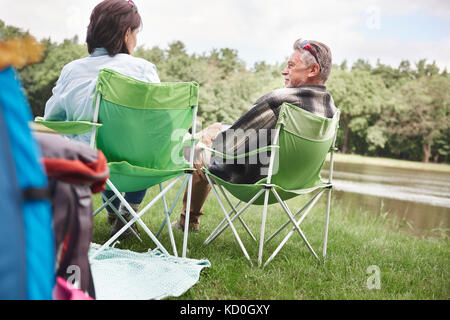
[{"x": 55, "y": 108}]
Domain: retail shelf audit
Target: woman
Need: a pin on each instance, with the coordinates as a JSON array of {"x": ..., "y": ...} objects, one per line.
[{"x": 111, "y": 39}]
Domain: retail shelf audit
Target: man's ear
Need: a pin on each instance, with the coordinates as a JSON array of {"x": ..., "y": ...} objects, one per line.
[{"x": 315, "y": 70}]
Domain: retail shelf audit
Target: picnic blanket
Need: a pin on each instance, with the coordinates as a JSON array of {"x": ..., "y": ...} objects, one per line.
[{"x": 127, "y": 275}]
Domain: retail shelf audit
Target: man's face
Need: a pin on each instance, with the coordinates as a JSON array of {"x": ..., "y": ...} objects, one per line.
[{"x": 295, "y": 73}]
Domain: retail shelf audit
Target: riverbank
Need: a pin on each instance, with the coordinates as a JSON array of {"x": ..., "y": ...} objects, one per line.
[
  {"x": 360, "y": 243},
  {"x": 387, "y": 162},
  {"x": 415, "y": 193}
]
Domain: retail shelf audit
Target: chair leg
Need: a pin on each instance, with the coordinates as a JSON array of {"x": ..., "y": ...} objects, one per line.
[
  {"x": 229, "y": 221},
  {"x": 136, "y": 217},
  {"x": 213, "y": 236},
  {"x": 308, "y": 205},
  {"x": 234, "y": 210},
  {"x": 187, "y": 214},
  {"x": 263, "y": 227},
  {"x": 220, "y": 228},
  {"x": 327, "y": 221},
  {"x": 288, "y": 212},
  {"x": 104, "y": 205},
  {"x": 169, "y": 226},
  {"x": 116, "y": 212},
  {"x": 175, "y": 201},
  {"x": 288, "y": 236}
]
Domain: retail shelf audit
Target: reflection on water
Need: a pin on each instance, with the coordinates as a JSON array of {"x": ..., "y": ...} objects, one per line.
[{"x": 420, "y": 198}]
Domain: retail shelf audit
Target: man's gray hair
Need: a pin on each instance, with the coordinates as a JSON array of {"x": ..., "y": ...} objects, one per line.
[{"x": 323, "y": 54}]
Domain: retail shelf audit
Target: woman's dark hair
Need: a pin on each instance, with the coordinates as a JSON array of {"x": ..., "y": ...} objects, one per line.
[{"x": 109, "y": 23}]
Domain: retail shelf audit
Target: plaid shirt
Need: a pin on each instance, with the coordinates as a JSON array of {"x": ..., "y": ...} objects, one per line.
[
  {"x": 264, "y": 115},
  {"x": 265, "y": 111}
]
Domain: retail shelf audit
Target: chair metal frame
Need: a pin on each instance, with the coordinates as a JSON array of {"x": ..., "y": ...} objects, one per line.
[
  {"x": 268, "y": 188},
  {"x": 137, "y": 215}
]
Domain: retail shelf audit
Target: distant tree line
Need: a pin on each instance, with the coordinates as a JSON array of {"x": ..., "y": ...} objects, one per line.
[{"x": 392, "y": 112}]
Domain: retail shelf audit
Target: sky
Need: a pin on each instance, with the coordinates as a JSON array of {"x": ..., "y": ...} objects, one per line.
[{"x": 264, "y": 30}]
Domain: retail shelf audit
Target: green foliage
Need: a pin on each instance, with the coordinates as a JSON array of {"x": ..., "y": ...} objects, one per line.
[
  {"x": 155, "y": 54},
  {"x": 361, "y": 96},
  {"x": 362, "y": 64},
  {"x": 398, "y": 112},
  {"x": 39, "y": 79},
  {"x": 376, "y": 137},
  {"x": 10, "y": 31},
  {"x": 422, "y": 112},
  {"x": 227, "y": 60}
]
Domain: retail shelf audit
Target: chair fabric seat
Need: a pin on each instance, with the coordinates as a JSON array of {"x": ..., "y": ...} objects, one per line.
[
  {"x": 245, "y": 192},
  {"x": 129, "y": 178}
]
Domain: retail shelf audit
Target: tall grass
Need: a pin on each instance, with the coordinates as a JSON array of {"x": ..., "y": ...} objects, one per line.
[{"x": 410, "y": 268}]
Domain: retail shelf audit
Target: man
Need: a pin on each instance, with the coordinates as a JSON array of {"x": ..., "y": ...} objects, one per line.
[{"x": 305, "y": 74}]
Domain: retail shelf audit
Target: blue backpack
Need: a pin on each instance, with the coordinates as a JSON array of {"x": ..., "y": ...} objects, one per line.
[{"x": 26, "y": 236}]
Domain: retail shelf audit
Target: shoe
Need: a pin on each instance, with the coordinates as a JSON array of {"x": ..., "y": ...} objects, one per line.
[
  {"x": 177, "y": 225},
  {"x": 119, "y": 224},
  {"x": 111, "y": 218}
]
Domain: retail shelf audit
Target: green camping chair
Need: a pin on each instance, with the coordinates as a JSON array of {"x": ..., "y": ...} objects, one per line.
[
  {"x": 300, "y": 145},
  {"x": 139, "y": 127}
]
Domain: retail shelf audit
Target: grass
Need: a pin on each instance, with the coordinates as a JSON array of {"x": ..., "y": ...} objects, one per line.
[
  {"x": 410, "y": 268},
  {"x": 388, "y": 162}
]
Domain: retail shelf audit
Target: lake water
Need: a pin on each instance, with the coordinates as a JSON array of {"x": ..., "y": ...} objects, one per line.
[{"x": 419, "y": 198}]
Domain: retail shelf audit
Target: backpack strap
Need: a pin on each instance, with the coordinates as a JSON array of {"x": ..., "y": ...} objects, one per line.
[{"x": 34, "y": 193}]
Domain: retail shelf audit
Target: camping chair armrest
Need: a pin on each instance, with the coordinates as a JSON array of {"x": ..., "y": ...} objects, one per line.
[
  {"x": 67, "y": 127},
  {"x": 187, "y": 140}
]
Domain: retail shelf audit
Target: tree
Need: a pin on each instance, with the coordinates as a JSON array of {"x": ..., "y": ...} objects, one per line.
[
  {"x": 361, "y": 97},
  {"x": 226, "y": 59},
  {"x": 155, "y": 55},
  {"x": 261, "y": 66},
  {"x": 425, "y": 69},
  {"x": 423, "y": 112},
  {"x": 39, "y": 79},
  {"x": 362, "y": 65},
  {"x": 385, "y": 111},
  {"x": 176, "y": 48},
  {"x": 392, "y": 77},
  {"x": 405, "y": 70},
  {"x": 343, "y": 66},
  {"x": 10, "y": 31}
]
